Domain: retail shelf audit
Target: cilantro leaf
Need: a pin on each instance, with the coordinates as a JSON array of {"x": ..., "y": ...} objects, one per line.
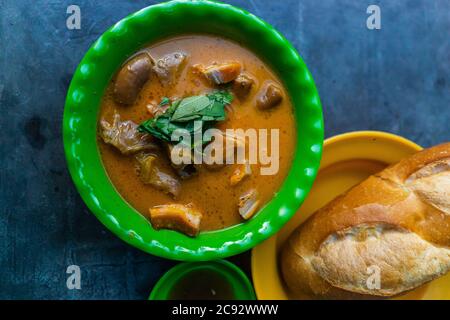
[
  {"x": 182, "y": 114},
  {"x": 189, "y": 108},
  {"x": 164, "y": 102}
]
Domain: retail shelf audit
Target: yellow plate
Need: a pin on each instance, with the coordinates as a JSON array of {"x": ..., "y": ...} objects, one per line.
[{"x": 347, "y": 160}]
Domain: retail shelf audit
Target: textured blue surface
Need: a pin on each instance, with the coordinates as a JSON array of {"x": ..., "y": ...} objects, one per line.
[{"x": 396, "y": 79}]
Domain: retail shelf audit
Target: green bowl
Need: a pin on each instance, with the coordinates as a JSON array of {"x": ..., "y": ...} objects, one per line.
[
  {"x": 103, "y": 60},
  {"x": 239, "y": 283}
]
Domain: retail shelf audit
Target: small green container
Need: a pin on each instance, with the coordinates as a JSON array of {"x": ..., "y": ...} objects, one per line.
[{"x": 204, "y": 278}]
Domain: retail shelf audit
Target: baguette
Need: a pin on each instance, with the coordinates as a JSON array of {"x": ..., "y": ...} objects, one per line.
[{"x": 396, "y": 222}]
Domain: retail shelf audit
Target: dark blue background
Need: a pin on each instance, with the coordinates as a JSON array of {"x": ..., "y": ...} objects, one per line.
[{"x": 395, "y": 79}]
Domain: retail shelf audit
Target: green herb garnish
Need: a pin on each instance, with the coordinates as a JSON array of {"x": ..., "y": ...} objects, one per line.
[
  {"x": 164, "y": 102},
  {"x": 183, "y": 113}
]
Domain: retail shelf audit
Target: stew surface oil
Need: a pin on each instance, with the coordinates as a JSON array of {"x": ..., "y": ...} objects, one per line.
[{"x": 209, "y": 191}]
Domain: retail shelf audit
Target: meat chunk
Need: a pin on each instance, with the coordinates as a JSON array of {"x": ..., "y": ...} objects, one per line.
[
  {"x": 243, "y": 85},
  {"x": 124, "y": 136},
  {"x": 248, "y": 204},
  {"x": 156, "y": 110},
  {"x": 131, "y": 78},
  {"x": 242, "y": 171},
  {"x": 182, "y": 218},
  {"x": 230, "y": 145},
  {"x": 222, "y": 73},
  {"x": 150, "y": 174},
  {"x": 183, "y": 170},
  {"x": 270, "y": 96},
  {"x": 169, "y": 67}
]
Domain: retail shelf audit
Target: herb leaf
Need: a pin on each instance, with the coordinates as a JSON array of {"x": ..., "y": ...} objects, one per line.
[
  {"x": 182, "y": 113},
  {"x": 164, "y": 102},
  {"x": 190, "y": 108},
  {"x": 224, "y": 97}
]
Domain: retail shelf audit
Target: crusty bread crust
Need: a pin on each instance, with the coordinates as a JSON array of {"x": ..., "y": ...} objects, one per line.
[{"x": 397, "y": 220}]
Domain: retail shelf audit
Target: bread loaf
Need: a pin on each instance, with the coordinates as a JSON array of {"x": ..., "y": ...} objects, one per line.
[{"x": 395, "y": 223}]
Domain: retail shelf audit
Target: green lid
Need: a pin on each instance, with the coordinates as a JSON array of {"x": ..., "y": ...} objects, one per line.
[{"x": 233, "y": 285}]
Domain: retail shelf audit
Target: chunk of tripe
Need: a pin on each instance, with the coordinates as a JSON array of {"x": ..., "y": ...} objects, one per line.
[
  {"x": 248, "y": 204},
  {"x": 150, "y": 174},
  {"x": 182, "y": 218},
  {"x": 242, "y": 85},
  {"x": 222, "y": 73},
  {"x": 270, "y": 96},
  {"x": 169, "y": 67},
  {"x": 242, "y": 171}
]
